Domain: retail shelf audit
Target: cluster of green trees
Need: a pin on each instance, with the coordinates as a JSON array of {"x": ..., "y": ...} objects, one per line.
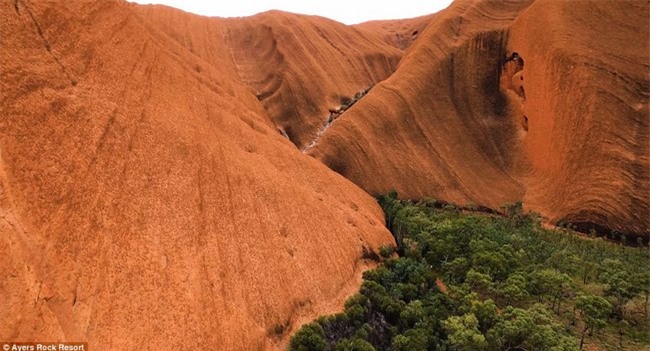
[{"x": 510, "y": 285}]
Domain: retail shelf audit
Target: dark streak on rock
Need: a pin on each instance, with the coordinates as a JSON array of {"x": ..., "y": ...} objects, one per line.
[{"x": 46, "y": 43}]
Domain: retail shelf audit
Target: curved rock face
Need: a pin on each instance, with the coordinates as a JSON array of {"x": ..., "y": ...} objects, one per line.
[
  {"x": 496, "y": 101},
  {"x": 398, "y": 33},
  {"x": 297, "y": 66},
  {"x": 586, "y": 100},
  {"x": 439, "y": 126},
  {"x": 147, "y": 199}
]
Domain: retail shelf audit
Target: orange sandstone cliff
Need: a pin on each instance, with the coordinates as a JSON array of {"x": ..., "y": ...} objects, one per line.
[
  {"x": 147, "y": 199},
  {"x": 174, "y": 181},
  {"x": 587, "y": 84}
]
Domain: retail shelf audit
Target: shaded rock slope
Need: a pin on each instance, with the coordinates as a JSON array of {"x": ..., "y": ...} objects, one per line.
[{"x": 152, "y": 189}]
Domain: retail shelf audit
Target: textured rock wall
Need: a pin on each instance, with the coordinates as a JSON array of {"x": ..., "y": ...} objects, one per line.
[{"x": 147, "y": 199}]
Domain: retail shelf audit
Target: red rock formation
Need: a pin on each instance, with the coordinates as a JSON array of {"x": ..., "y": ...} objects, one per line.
[
  {"x": 298, "y": 66},
  {"x": 438, "y": 127},
  {"x": 147, "y": 199},
  {"x": 587, "y": 87},
  {"x": 398, "y": 33},
  {"x": 564, "y": 127}
]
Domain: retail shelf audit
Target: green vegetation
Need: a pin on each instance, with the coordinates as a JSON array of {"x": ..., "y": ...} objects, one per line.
[{"x": 510, "y": 285}]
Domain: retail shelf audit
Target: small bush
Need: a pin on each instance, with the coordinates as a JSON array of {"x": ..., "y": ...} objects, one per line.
[
  {"x": 386, "y": 251},
  {"x": 311, "y": 337}
]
